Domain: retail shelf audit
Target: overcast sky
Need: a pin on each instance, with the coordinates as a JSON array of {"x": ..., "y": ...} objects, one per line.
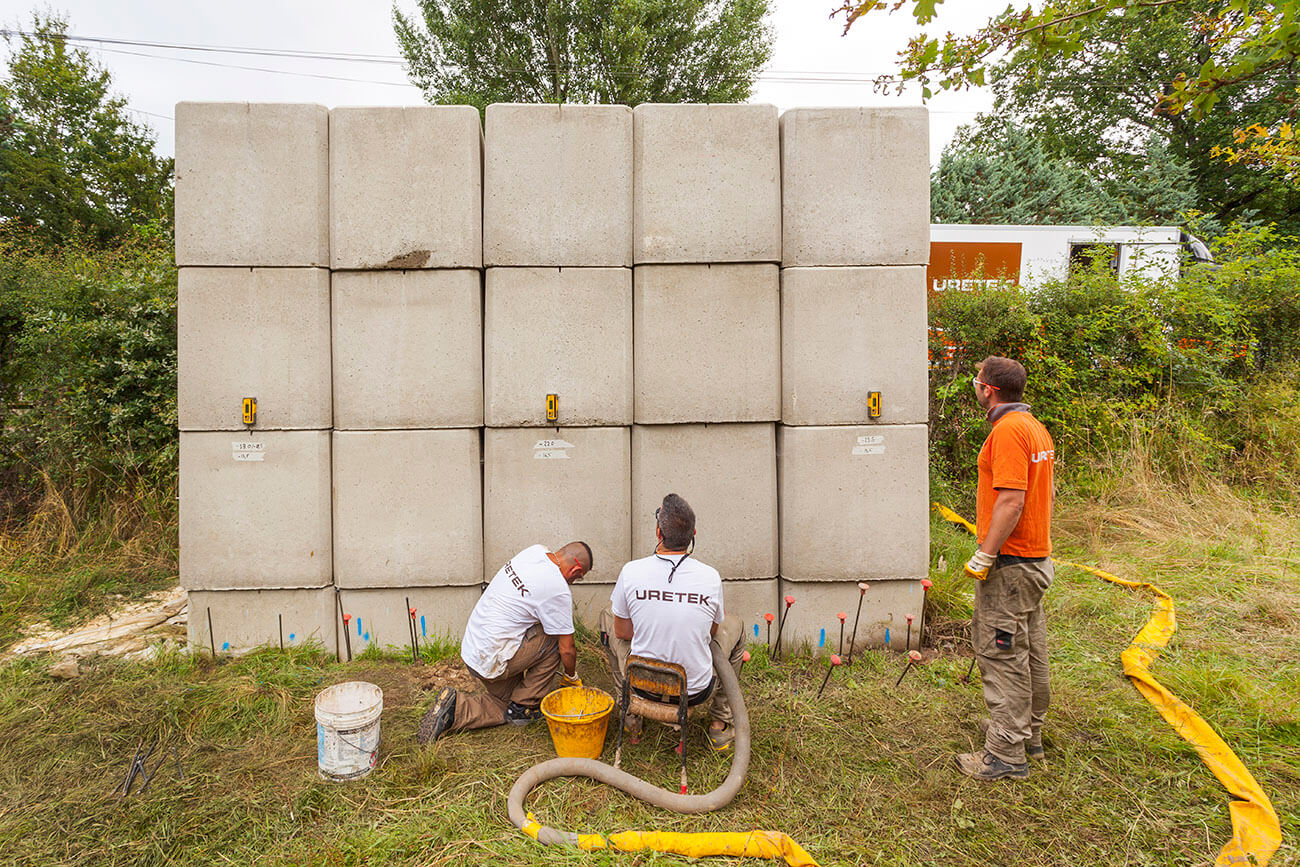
[{"x": 808, "y": 47}]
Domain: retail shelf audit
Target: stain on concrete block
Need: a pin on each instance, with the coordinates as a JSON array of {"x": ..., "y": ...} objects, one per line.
[
  {"x": 707, "y": 183},
  {"x": 727, "y": 472},
  {"x": 562, "y": 331},
  {"x": 406, "y": 187},
  {"x": 708, "y": 343},
  {"x": 408, "y": 349},
  {"x": 554, "y": 486},
  {"x": 846, "y": 332},
  {"x": 245, "y": 619},
  {"x": 252, "y": 184},
  {"x": 885, "y": 606},
  {"x": 854, "y": 502},
  {"x": 253, "y": 332},
  {"x": 855, "y": 186},
  {"x": 407, "y": 508},
  {"x": 558, "y": 185},
  {"x": 255, "y": 510},
  {"x": 379, "y": 617}
]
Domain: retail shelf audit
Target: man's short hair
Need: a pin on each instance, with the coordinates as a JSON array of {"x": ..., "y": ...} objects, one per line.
[
  {"x": 676, "y": 522},
  {"x": 581, "y": 552},
  {"x": 1006, "y": 375}
]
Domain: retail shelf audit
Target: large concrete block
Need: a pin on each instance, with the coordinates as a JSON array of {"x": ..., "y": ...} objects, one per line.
[
  {"x": 727, "y": 472},
  {"x": 855, "y": 186},
  {"x": 244, "y": 619},
  {"x": 846, "y": 332},
  {"x": 708, "y": 343},
  {"x": 854, "y": 502},
  {"x": 708, "y": 186},
  {"x": 749, "y": 600},
  {"x": 557, "y": 185},
  {"x": 885, "y": 607},
  {"x": 407, "y": 508},
  {"x": 406, "y": 187},
  {"x": 555, "y": 486},
  {"x": 590, "y": 599},
  {"x": 379, "y": 617},
  {"x": 253, "y": 332},
  {"x": 252, "y": 184},
  {"x": 562, "y": 331},
  {"x": 255, "y": 510},
  {"x": 408, "y": 349}
]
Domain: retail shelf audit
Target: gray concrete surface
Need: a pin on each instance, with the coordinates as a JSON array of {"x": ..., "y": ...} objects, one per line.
[
  {"x": 255, "y": 510},
  {"x": 855, "y": 186},
  {"x": 408, "y": 349},
  {"x": 846, "y": 332},
  {"x": 564, "y": 331},
  {"x": 708, "y": 343},
  {"x": 245, "y": 619},
  {"x": 252, "y": 184},
  {"x": 253, "y": 332},
  {"x": 544, "y": 486},
  {"x": 748, "y": 599},
  {"x": 707, "y": 183},
  {"x": 727, "y": 472},
  {"x": 407, "y": 508},
  {"x": 854, "y": 502},
  {"x": 406, "y": 187},
  {"x": 379, "y": 617},
  {"x": 885, "y": 605},
  {"x": 557, "y": 185}
]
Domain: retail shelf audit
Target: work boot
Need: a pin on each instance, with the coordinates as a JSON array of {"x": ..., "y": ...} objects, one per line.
[
  {"x": 438, "y": 718},
  {"x": 721, "y": 740},
  {"x": 518, "y": 715},
  {"x": 1033, "y": 749},
  {"x": 986, "y": 767}
]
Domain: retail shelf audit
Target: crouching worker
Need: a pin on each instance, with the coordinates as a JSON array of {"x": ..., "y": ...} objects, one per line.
[
  {"x": 519, "y": 634},
  {"x": 668, "y": 607}
]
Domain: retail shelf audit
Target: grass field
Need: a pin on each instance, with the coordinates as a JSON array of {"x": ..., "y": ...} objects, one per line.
[{"x": 862, "y": 776}]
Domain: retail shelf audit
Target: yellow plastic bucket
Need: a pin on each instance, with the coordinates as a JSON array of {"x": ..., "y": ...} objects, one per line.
[{"x": 578, "y": 717}]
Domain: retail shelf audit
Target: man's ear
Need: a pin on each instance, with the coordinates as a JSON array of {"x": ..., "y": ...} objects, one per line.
[{"x": 659, "y": 533}]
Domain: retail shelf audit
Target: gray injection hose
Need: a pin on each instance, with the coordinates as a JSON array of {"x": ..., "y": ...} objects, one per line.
[{"x": 635, "y": 786}]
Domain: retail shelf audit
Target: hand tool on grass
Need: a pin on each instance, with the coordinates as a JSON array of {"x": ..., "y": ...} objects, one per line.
[
  {"x": 913, "y": 657},
  {"x": 780, "y": 626},
  {"x": 148, "y": 775},
  {"x": 130, "y": 771},
  {"x": 842, "y": 616},
  {"x": 862, "y": 592},
  {"x": 926, "y": 584},
  {"x": 835, "y": 661},
  {"x": 909, "y": 633},
  {"x": 769, "y": 617}
]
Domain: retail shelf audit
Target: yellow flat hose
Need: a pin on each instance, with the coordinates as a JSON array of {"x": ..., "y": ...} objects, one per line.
[{"x": 1256, "y": 831}]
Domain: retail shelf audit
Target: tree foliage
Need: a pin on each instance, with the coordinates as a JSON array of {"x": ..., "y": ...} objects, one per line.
[
  {"x": 73, "y": 164},
  {"x": 593, "y": 51}
]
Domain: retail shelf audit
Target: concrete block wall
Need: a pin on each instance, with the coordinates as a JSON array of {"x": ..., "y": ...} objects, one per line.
[{"x": 709, "y": 290}]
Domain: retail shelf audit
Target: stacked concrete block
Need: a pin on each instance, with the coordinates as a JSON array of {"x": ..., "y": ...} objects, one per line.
[
  {"x": 378, "y": 617},
  {"x": 243, "y": 619},
  {"x": 883, "y": 622},
  {"x": 408, "y": 349},
  {"x": 854, "y": 472}
]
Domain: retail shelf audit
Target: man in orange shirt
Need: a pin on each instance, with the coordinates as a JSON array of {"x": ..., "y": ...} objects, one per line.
[{"x": 1013, "y": 566}]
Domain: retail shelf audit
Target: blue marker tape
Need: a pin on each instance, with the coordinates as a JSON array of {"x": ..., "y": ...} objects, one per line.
[
  {"x": 886, "y": 636},
  {"x": 366, "y": 636},
  {"x": 290, "y": 636},
  {"x": 821, "y": 642},
  {"x": 225, "y": 645},
  {"x": 423, "y": 632},
  {"x": 756, "y": 630},
  {"x": 358, "y": 626}
]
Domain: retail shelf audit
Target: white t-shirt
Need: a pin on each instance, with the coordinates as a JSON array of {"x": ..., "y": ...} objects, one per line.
[
  {"x": 671, "y": 621},
  {"x": 529, "y": 589}
]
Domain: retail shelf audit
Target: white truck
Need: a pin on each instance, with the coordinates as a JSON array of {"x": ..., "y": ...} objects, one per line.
[{"x": 963, "y": 255}]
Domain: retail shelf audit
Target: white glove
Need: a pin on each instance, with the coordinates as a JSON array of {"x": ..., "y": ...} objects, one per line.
[
  {"x": 565, "y": 680},
  {"x": 979, "y": 564}
]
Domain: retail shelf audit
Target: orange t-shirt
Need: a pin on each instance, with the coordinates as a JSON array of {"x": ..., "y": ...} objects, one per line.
[{"x": 1018, "y": 454}]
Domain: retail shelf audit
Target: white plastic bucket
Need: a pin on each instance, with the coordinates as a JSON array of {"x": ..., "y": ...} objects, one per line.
[{"x": 347, "y": 729}]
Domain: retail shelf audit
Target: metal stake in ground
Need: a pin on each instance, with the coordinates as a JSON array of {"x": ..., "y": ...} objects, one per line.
[
  {"x": 280, "y": 621},
  {"x": 769, "y": 617},
  {"x": 211, "y": 638},
  {"x": 835, "y": 661},
  {"x": 410, "y": 628},
  {"x": 415, "y": 636},
  {"x": 862, "y": 592},
  {"x": 347, "y": 634},
  {"x": 842, "y": 616},
  {"x": 909, "y": 633},
  {"x": 913, "y": 657},
  {"x": 969, "y": 671},
  {"x": 780, "y": 626},
  {"x": 926, "y": 584}
]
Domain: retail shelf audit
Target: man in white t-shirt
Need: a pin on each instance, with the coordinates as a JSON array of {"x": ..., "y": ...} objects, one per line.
[
  {"x": 668, "y": 606},
  {"x": 519, "y": 634}
]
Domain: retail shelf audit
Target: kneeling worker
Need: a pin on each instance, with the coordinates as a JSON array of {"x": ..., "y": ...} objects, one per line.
[
  {"x": 668, "y": 607},
  {"x": 519, "y": 634}
]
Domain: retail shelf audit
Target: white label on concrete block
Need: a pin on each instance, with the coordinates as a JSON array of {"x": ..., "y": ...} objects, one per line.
[
  {"x": 871, "y": 440},
  {"x": 553, "y": 444},
  {"x": 551, "y": 455},
  {"x": 249, "y": 456},
  {"x": 247, "y": 446},
  {"x": 868, "y": 450}
]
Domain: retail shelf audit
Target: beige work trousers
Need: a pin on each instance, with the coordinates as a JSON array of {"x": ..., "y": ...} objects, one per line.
[
  {"x": 1009, "y": 631},
  {"x": 526, "y": 681},
  {"x": 730, "y": 635}
]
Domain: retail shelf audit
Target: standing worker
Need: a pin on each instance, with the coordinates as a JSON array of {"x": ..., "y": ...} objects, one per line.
[
  {"x": 519, "y": 634},
  {"x": 1013, "y": 568}
]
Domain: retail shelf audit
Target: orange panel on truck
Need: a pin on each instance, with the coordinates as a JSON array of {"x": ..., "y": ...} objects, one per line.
[{"x": 956, "y": 264}]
